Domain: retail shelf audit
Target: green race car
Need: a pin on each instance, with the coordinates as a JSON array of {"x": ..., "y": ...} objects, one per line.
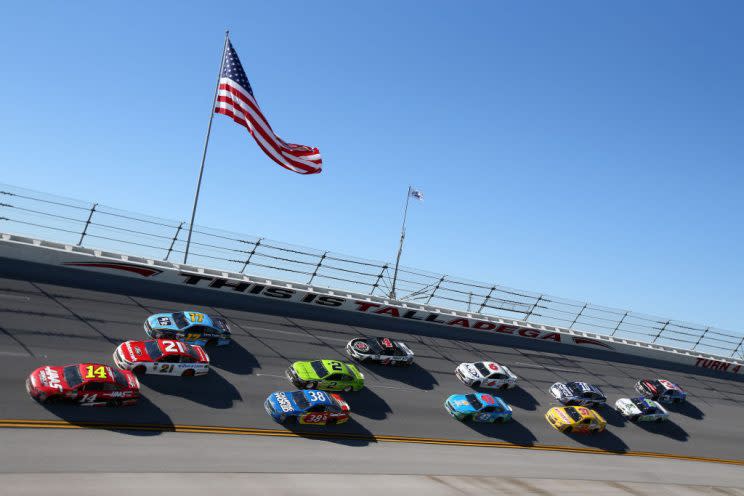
[{"x": 330, "y": 375}]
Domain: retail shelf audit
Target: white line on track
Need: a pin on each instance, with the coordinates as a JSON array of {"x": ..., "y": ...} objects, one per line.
[
  {"x": 366, "y": 385},
  {"x": 297, "y": 333},
  {"x": 13, "y": 353},
  {"x": 537, "y": 366},
  {"x": 15, "y": 297}
]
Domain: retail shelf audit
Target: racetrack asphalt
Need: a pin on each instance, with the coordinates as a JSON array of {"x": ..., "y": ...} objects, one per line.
[{"x": 42, "y": 324}]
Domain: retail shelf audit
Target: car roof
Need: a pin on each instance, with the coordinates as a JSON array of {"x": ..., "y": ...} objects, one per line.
[
  {"x": 208, "y": 320},
  {"x": 492, "y": 367},
  {"x": 315, "y": 398},
  {"x": 83, "y": 369},
  {"x": 344, "y": 368},
  {"x": 165, "y": 352}
]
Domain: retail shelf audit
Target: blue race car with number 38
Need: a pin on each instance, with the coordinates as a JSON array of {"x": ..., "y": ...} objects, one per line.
[
  {"x": 191, "y": 327},
  {"x": 478, "y": 407}
]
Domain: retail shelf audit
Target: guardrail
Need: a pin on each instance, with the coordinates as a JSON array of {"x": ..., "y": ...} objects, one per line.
[{"x": 31, "y": 213}]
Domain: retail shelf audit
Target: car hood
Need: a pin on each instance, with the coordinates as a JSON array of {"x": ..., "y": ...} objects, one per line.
[
  {"x": 460, "y": 404},
  {"x": 49, "y": 378},
  {"x": 469, "y": 370},
  {"x": 561, "y": 390},
  {"x": 304, "y": 370},
  {"x": 627, "y": 405},
  {"x": 153, "y": 321},
  {"x": 134, "y": 351},
  {"x": 282, "y": 403}
]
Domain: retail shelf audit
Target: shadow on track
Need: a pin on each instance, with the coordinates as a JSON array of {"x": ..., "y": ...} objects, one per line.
[
  {"x": 143, "y": 419},
  {"x": 414, "y": 375},
  {"x": 367, "y": 403},
  {"x": 515, "y": 397},
  {"x": 351, "y": 433},
  {"x": 211, "y": 390},
  {"x": 606, "y": 440},
  {"x": 511, "y": 432},
  {"x": 612, "y": 416},
  {"x": 687, "y": 409},
  {"x": 232, "y": 358},
  {"x": 668, "y": 429}
]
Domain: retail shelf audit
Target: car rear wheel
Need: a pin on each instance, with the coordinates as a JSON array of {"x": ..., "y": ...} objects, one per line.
[
  {"x": 116, "y": 402},
  {"x": 348, "y": 389},
  {"x": 188, "y": 373}
]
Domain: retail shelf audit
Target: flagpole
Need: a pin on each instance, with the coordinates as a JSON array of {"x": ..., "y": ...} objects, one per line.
[
  {"x": 400, "y": 247},
  {"x": 206, "y": 145}
]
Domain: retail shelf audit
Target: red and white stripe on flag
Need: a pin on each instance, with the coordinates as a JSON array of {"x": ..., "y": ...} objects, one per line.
[{"x": 235, "y": 102}]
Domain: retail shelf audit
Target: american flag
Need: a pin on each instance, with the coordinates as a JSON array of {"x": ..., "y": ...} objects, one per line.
[
  {"x": 235, "y": 99},
  {"x": 417, "y": 194}
]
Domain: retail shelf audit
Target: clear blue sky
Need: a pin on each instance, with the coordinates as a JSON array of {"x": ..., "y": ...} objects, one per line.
[{"x": 590, "y": 150}]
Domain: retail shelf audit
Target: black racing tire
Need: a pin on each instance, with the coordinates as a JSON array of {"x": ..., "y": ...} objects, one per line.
[
  {"x": 188, "y": 373},
  {"x": 503, "y": 387},
  {"x": 211, "y": 343},
  {"x": 634, "y": 418},
  {"x": 348, "y": 389},
  {"x": 565, "y": 428},
  {"x": 311, "y": 385},
  {"x": 660, "y": 420},
  {"x": 114, "y": 402},
  {"x": 52, "y": 400},
  {"x": 476, "y": 384},
  {"x": 289, "y": 420},
  {"x": 139, "y": 370}
]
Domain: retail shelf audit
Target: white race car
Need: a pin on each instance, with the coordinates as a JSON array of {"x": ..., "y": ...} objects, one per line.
[
  {"x": 162, "y": 356},
  {"x": 486, "y": 375},
  {"x": 641, "y": 410}
]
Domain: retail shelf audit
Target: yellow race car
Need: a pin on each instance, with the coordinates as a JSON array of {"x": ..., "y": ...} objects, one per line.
[{"x": 575, "y": 419}]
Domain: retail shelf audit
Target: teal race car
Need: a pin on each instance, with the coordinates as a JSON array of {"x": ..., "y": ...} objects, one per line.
[
  {"x": 191, "y": 327},
  {"x": 478, "y": 407}
]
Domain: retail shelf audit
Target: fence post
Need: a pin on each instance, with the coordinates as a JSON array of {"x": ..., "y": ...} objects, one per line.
[
  {"x": 737, "y": 347},
  {"x": 701, "y": 338},
  {"x": 435, "y": 288},
  {"x": 470, "y": 300},
  {"x": 534, "y": 305},
  {"x": 619, "y": 324},
  {"x": 87, "y": 223},
  {"x": 578, "y": 315},
  {"x": 250, "y": 255},
  {"x": 661, "y": 330},
  {"x": 379, "y": 278},
  {"x": 317, "y": 267},
  {"x": 485, "y": 301},
  {"x": 173, "y": 241}
]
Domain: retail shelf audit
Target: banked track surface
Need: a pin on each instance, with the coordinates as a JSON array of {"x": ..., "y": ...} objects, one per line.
[{"x": 42, "y": 323}]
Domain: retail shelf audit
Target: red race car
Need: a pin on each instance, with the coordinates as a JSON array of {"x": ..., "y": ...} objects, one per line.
[
  {"x": 162, "y": 356},
  {"x": 89, "y": 384}
]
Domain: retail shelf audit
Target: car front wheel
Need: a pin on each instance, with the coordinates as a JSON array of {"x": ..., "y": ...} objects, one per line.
[
  {"x": 348, "y": 389},
  {"x": 311, "y": 385}
]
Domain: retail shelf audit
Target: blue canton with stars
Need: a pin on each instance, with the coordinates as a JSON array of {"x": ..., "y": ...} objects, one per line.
[{"x": 233, "y": 69}]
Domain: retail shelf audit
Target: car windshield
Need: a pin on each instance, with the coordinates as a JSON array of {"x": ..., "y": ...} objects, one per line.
[
  {"x": 577, "y": 389},
  {"x": 153, "y": 350},
  {"x": 474, "y": 401},
  {"x": 192, "y": 351},
  {"x": 319, "y": 368},
  {"x": 299, "y": 398},
  {"x": 571, "y": 411},
  {"x": 119, "y": 378},
  {"x": 72, "y": 375},
  {"x": 180, "y": 320},
  {"x": 482, "y": 369},
  {"x": 221, "y": 324}
]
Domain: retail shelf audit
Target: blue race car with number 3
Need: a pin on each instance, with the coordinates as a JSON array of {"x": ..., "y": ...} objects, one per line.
[
  {"x": 478, "y": 407},
  {"x": 191, "y": 327}
]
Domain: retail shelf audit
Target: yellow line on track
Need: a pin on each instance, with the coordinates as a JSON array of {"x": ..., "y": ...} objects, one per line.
[{"x": 248, "y": 431}]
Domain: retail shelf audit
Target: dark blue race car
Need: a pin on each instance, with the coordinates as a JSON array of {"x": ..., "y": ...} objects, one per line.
[
  {"x": 190, "y": 327},
  {"x": 478, "y": 407},
  {"x": 307, "y": 406}
]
